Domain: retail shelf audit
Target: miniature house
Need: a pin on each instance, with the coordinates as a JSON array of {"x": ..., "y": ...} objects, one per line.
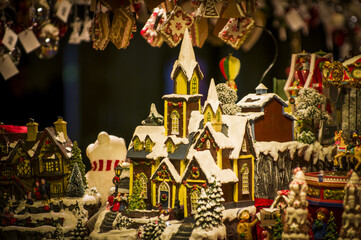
[
  {"x": 174, "y": 160},
  {"x": 29, "y": 157},
  {"x": 267, "y": 116}
]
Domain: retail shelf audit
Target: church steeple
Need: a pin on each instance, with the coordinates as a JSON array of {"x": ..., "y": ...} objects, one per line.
[
  {"x": 212, "y": 110},
  {"x": 186, "y": 72}
]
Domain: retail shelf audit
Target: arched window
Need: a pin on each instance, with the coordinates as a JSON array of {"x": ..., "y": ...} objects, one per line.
[
  {"x": 175, "y": 122},
  {"x": 144, "y": 182},
  {"x": 218, "y": 116},
  {"x": 194, "y": 86},
  {"x": 194, "y": 200},
  {"x": 245, "y": 179},
  {"x": 148, "y": 145},
  {"x": 137, "y": 144},
  {"x": 208, "y": 144},
  {"x": 164, "y": 194},
  {"x": 169, "y": 146},
  {"x": 208, "y": 116}
]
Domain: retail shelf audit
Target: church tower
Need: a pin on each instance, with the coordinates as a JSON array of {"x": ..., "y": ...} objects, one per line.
[
  {"x": 178, "y": 106},
  {"x": 212, "y": 110}
]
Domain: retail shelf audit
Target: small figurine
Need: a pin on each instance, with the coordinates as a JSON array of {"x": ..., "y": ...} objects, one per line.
[
  {"x": 29, "y": 199},
  {"x": 320, "y": 224},
  {"x": 37, "y": 190},
  {"x": 244, "y": 227},
  {"x": 44, "y": 189},
  {"x": 116, "y": 206}
]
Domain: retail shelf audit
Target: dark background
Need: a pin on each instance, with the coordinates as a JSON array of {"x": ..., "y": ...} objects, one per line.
[{"x": 112, "y": 90}]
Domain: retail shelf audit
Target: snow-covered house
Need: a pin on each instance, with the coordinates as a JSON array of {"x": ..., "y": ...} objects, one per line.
[
  {"x": 29, "y": 157},
  {"x": 176, "y": 157},
  {"x": 267, "y": 116}
]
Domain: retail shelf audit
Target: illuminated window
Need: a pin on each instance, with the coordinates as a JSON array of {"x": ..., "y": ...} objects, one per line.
[
  {"x": 51, "y": 165},
  {"x": 137, "y": 144},
  {"x": 175, "y": 122},
  {"x": 208, "y": 144},
  {"x": 194, "y": 200},
  {"x": 169, "y": 146},
  {"x": 56, "y": 189},
  {"x": 143, "y": 183},
  {"x": 244, "y": 146},
  {"x": 194, "y": 86},
  {"x": 23, "y": 168},
  {"x": 6, "y": 172},
  {"x": 208, "y": 116},
  {"x": 245, "y": 179}
]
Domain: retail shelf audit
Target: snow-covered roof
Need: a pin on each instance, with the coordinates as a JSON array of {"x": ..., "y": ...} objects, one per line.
[
  {"x": 194, "y": 121},
  {"x": 184, "y": 97},
  {"x": 212, "y": 98},
  {"x": 186, "y": 60},
  {"x": 171, "y": 168},
  {"x": 157, "y": 135},
  {"x": 177, "y": 140},
  {"x": 251, "y": 115},
  {"x": 253, "y": 100},
  {"x": 209, "y": 167},
  {"x": 261, "y": 86}
]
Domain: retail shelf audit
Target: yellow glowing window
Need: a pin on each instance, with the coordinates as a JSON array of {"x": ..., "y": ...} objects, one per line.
[
  {"x": 208, "y": 116},
  {"x": 175, "y": 122},
  {"x": 245, "y": 179},
  {"x": 23, "y": 168},
  {"x": 143, "y": 183},
  {"x": 194, "y": 88},
  {"x": 51, "y": 165},
  {"x": 194, "y": 200}
]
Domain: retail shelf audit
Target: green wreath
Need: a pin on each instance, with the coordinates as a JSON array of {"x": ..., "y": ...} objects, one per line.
[{"x": 164, "y": 197}]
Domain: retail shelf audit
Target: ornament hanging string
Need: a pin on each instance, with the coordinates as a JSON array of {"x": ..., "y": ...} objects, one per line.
[{"x": 276, "y": 52}]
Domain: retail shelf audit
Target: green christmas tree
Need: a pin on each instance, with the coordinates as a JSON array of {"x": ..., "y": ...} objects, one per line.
[
  {"x": 77, "y": 158},
  {"x": 79, "y": 232},
  {"x": 215, "y": 193},
  {"x": 75, "y": 185},
  {"x": 331, "y": 228},
  {"x": 202, "y": 211},
  {"x": 277, "y": 229},
  {"x": 153, "y": 229},
  {"x": 136, "y": 199}
]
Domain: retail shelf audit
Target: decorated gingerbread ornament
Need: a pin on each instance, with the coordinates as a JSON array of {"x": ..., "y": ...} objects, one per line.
[
  {"x": 99, "y": 30},
  {"x": 236, "y": 30},
  {"x": 149, "y": 31},
  {"x": 199, "y": 31},
  {"x": 121, "y": 29},
  {"x": 173, "y": 28}
]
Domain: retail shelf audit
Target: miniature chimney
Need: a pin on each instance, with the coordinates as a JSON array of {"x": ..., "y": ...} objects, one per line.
[
  {"x": 261, "y": 89},
  {"x": 32, "y": 130},
  {"x": 60, "y": 127}
]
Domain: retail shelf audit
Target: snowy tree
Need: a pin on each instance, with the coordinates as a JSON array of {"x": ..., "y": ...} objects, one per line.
[
  {"x": 58, "y": 233},
  {"x": 308, "y": 109},
  {"x": 79, "y": 232},
  {"x": 306, "y": 137},
  {"x": 153, "y": 229},
  {"x": 121, "y": 222},
  {"x": 136, "y": 199},
  {"x": 77, "y": 158},
  {"x": 331, "y": 228},
  {"x": 202, "y": 211},
  {"x": 228, "y": 97},
  {"x": 75, "y": 185},
  {"x": 277, "y": 229}
]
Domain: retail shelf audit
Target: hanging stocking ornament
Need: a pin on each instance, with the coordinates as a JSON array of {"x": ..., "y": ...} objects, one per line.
[
  {"x": 99, "y": 30},
  {"x": 236, "y": 30},
  {"x": 210, "y": 10},
  {"x": 149, "y": 31},
  {"x": 121, "y": 29},
  {"x": 173, "y": 29}
]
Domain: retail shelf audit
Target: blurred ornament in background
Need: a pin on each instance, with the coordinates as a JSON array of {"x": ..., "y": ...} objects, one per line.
[
  {"x": 49, "y": 41},
  {"x": 15, "y": 54},
  {"x": 4, "y": 4},
  {"x": 40, "y": 14}
]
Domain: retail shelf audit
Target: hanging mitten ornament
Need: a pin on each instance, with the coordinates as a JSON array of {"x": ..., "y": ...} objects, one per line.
[
  {"x": 149, "y": 31},
  {"x": 236, "y": 31},
  {"x": 121, "y": 29},
  {"x": 173, "y": 28},
  {"x": 75, "y": 34},
  {"x": 49, "y": 41}
]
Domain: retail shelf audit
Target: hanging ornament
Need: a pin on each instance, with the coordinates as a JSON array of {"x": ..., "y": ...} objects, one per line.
[
  {"x": 4, "y": 4},
  {"x": 233, "y": 10},
  {"x": 75, "y": 34},
  {"x": 173, "y": 29},
  {"x": 149, "y": 31},
  {"x": 14, "y": 55},
  {"x": 236, "y": 30},
  {"x": 99, "y": 30},
  {"x": 40, "y": 14},
  {"x": 353, "y": 71},
  {"x": 230, "y": 67},
  {"x": 199, "y": 31},
  {"x": 49, "y": 41},
  {"x": 121, "y": 30},
  {"x": 210, "y": 10},
  {"x": 84, "y": 35}
]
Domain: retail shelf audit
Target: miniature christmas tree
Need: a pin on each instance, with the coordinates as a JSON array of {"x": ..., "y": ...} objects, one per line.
[
  {"x": 75, "y": 186},
  {"x": 215, "y": 193},
  {"x": 153, "y": 229},
  {"x": 350, "y": 228},
  {"x": 77, "y": 158},
  {"x": 296, "y": 225},
  {"x": 308, "y": 109},
  {"x": 79, "y": 232},
  {"x": 228, "y": 97},
  {"x": 136, "y": 199},
  {"x": 331, "y": 228},
  {"x": 202, "y": 211},
  {"x": 277, "y": 229},
  {"x": 58, "y": 233},
  {"x": 122, "y": 222}
]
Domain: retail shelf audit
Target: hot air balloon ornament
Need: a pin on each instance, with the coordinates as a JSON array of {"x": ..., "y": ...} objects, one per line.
[{"x": 230, "y": 67}]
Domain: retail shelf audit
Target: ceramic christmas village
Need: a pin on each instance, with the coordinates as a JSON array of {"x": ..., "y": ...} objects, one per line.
[{"x": 227, "y": 169}]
